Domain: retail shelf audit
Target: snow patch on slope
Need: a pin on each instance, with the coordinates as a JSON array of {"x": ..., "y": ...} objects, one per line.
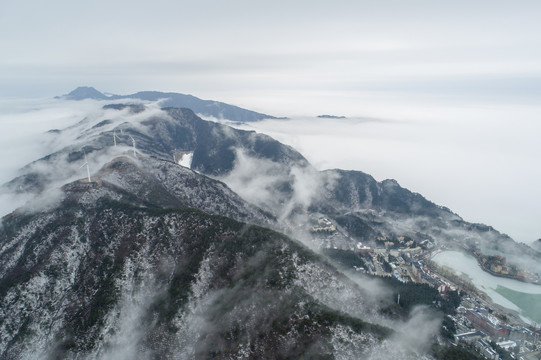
[
  {"x": 191, "y": 321},
  {"x": 324, "y": 286},
  {"x": 35, "y": 299},
  {"x": 186, "y": 160},
  {"x": 347, "y": 344}
]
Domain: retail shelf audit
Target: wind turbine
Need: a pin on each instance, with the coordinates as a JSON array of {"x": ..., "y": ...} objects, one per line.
[
  {"x": 115, "y": 137},
  {"x": 87, "y": 168},
  {"x": 133, "y": 144}
]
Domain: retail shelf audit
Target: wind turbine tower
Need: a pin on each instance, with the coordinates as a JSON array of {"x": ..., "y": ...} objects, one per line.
[
  {"x": 133, "y": 144},
  {"x": 115, "y": 137},
  {"x": 87, "y": 168}
]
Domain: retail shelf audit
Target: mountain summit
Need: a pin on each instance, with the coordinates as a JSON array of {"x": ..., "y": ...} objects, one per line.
[{"x": 85, "y": 92}]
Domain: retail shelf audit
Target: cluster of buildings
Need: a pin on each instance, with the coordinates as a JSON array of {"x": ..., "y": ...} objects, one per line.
[
  {"x": 488, "y": 324},
  {"x": 492, "y": 337},
  {"x": 476, "y": 324},
  {"x": 497, "y": 265},
  {"x": 324, "y": 225}
]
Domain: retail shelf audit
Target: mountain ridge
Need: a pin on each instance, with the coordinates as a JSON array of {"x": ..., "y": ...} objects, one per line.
[
  {"x": 215, "y": 260},
  {"x": 271, "y": 175},
  {"x": 94, "y": 240},
  {"x": 208, "y": 108}
]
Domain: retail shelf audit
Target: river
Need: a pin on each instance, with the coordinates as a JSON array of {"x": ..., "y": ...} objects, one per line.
[{"x": 511, "y": 294}]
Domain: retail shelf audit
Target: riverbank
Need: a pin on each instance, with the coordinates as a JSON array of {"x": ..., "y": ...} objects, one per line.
[{"x": 465, "y": 265}]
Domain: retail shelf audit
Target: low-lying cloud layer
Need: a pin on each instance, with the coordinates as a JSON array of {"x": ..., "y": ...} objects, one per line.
[
  {"x": 257, "y": 181},
  {"x": 479, "y": 161},
  {"x": 40, "y": 127}
]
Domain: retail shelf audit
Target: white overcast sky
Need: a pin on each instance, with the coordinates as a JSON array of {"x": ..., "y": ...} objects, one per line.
[
  {"x": 276, "y": 56},
  {"x": 466, "y": 75}
]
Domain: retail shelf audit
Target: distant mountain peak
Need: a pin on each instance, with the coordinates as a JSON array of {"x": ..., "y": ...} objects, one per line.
[
  {"x": 331, "y": 117},
  {"x": 85, "y": 92},
  {"x": 205, "y": 108}
]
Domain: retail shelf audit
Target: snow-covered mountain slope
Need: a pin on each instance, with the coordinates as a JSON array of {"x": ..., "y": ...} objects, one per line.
[
  {"x": 151, "y": 259},
  {"x": 104, "y": 274}
]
